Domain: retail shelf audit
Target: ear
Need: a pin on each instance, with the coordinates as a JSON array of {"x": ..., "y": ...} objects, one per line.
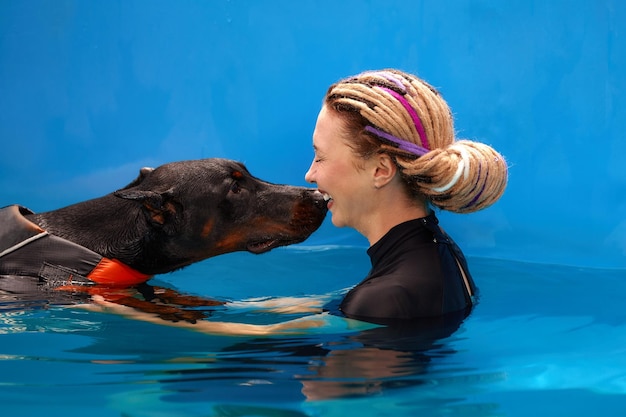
[
  {"x": 143, "y": 174},
  {"x": 384, "y": 170},
  {"x": 160, "y": 206}
]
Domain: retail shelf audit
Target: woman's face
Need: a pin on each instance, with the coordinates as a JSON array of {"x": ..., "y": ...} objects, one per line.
[{"x": 349, "y": 190}]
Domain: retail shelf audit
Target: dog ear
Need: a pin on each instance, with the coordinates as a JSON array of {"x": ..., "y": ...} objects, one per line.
[
  {"x": 143, "y": 173},
  {"x": 159, "y": 205}
]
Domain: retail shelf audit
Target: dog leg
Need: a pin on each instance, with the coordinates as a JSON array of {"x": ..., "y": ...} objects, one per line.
[
  {"x": 164, "y": 303},
  {"x": 169, "y": 296}
]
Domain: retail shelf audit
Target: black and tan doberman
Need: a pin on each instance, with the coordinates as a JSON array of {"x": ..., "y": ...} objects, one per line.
[{"x": 167, "y": 218}]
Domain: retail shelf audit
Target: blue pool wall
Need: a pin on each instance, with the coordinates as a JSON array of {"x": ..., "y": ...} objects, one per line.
[{"x": 90, "y": 91}]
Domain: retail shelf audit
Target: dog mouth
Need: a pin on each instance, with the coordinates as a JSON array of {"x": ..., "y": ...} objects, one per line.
[
  {"x": 265, "y": 245},
  {"x": 327, "y": 197}
]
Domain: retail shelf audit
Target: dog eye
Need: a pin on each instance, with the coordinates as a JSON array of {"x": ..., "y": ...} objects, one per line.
[{"x": 235, "y": 188}]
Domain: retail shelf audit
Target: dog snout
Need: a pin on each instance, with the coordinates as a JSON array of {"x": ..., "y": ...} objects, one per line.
[
  {"x": 309, "y": 212},
  {"x": 317, "y": 198}
]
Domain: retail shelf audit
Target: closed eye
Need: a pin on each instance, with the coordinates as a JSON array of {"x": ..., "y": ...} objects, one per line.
[{"x": 235, "y": 188}]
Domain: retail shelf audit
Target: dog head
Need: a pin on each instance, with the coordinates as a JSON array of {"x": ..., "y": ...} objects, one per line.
[{"x": 203, "y": 208}]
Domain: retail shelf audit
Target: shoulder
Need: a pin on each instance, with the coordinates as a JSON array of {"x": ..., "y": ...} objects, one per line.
[{"x": 378, "y": 299}]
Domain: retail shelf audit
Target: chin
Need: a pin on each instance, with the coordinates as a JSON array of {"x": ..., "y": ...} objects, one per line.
[{"x": 337, "y": 222}]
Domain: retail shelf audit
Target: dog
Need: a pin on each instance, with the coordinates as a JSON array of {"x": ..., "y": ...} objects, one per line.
[{"x": 166, "y": 219}]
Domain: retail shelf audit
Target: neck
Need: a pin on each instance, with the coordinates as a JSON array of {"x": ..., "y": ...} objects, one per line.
[
  {"x": 394, "y": 208},
  {"x": 97, "y": 225},
  {"x": 380, "y": 227}
]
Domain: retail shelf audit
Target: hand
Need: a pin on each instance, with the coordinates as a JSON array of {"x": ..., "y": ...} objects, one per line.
[{"x": 282, "y": 305}]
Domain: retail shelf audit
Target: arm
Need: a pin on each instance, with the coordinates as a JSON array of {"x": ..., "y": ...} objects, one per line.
[
  {"x": 283, "y": 305},
  {"x": 297, "y": 326},
  {"x": 172, "y": 305},
  {"x": 159, "y": 311}
]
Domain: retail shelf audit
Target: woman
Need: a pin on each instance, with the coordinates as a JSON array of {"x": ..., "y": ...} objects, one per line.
[{"x": 385, "y": 152}]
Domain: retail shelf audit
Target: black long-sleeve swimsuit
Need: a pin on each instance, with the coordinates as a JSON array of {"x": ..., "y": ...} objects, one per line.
[{"x": 417, "y": 272}]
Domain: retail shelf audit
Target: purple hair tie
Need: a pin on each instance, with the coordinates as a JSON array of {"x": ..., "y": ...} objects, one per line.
[
  {"x": 391, "y": 77},
  {"x": 477, "y": 196},
  {"x": 416, "y": 120},
  {"x": 405, "y": 145}
]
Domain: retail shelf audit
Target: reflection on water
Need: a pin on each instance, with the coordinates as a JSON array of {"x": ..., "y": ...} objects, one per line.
[
  {"x": 520, "y": 347},
  {"x": 379, "y": 359},
  {"x": 351, "y": 365},
  {"x": 270, "y": 370}
]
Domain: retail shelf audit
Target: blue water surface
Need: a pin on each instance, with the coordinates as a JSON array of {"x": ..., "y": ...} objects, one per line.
[{"x": 544, "y": 340}]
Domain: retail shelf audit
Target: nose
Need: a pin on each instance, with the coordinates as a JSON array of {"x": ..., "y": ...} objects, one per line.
[{"x": 310, "y": 176}]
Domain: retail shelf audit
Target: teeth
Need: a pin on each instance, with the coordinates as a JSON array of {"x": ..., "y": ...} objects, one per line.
[{"x": 327, "y": 197}]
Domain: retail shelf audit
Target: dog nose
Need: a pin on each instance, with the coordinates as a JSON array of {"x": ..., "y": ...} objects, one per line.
[{"x": 318, "y": 199}]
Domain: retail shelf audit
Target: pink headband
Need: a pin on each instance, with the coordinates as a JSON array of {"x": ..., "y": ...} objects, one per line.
[{"x": 413, "y": 113}]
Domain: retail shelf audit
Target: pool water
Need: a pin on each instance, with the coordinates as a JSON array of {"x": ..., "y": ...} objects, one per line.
[{"x": 544, "y": 340}]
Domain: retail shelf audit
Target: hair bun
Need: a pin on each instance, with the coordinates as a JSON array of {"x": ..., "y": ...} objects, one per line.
[{"x": 464, "y": 177}]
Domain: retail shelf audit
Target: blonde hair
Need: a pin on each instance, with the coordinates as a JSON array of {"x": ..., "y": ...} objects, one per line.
[{"x": 393, "y": 112}]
